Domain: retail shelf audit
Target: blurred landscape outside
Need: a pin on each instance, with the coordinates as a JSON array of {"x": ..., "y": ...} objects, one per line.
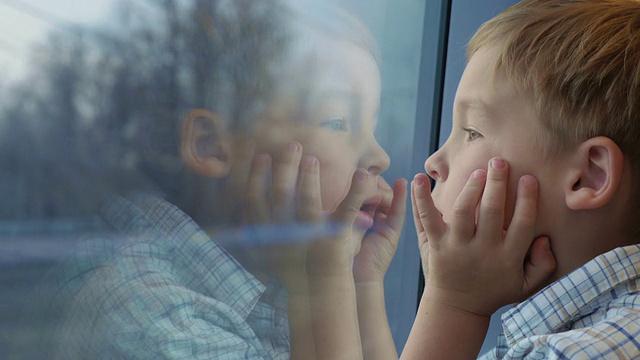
[
  {"x": 86, "y": 87},
  {"x": 83, "y": 84}
]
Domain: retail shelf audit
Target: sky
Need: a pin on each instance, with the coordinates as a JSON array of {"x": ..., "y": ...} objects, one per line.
[{"x": 24, "y": 23}]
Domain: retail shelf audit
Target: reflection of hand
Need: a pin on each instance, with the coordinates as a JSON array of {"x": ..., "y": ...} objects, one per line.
[
  {"x": 380, "y": 243},
  {"x": 477, "y": 267},
  {"x": 334, "y": 255},
  {"x": 423, "y": 246},
  {"x": 292, "y": 199}
]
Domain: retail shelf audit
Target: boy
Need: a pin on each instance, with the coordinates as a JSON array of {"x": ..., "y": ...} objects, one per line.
[
  {"x": 290, "y": 132},
  {"x": 551, "y": 89}
]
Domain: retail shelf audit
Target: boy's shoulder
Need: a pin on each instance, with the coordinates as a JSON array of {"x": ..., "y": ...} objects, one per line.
[{"x": 589, "y": 313}]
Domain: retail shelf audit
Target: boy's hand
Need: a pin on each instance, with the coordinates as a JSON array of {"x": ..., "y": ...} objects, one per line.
[
  {"x": 477, "y": 267},
  {"x": 380, "y": 242}
]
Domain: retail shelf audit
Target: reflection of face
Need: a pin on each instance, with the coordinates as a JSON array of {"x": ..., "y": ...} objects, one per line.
[
  {"x": 492, "y": 119},
  {"x": 329, "y": 104}
]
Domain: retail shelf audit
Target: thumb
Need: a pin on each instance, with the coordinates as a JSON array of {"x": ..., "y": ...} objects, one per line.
[{"x": 541, "y": 264}]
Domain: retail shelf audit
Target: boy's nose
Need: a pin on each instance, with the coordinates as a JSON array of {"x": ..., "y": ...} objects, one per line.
[
  {"x": 435, "y": 167},
  {"x": 376, "y": 161}
]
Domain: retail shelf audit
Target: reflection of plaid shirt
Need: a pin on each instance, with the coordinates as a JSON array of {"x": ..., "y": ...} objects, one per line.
[
  {"x": 593, "y": 313},
  {"x": 168, "y": 292}
]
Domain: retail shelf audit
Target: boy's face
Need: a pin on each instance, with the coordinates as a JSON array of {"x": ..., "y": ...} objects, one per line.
[
  {"x": 329, "y": 104},
  {"x": 491, "y": 118}
]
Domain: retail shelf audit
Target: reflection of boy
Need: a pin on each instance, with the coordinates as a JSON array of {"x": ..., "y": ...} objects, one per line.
[
  {"x": 553, "y": 88},
  {"x": 171, "y": 292}
]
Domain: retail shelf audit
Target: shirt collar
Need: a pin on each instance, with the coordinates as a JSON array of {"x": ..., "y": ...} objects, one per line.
[{"x": 555, "y": 307}]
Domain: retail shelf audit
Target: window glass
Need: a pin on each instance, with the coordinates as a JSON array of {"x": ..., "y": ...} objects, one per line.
[{"x": 135, "y": 216}]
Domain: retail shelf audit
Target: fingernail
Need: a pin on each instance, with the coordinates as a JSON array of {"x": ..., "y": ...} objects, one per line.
[
  {"x": 293, "y": 147},
  {"x": 529, "y": 181},
  {"x": 310, "y": 160},
  {"x": 498, "y": 163},
  {"x": 418, "y": 181},
  {"x": 263, "y": 159},
  {"x": 479, "y": 174}
]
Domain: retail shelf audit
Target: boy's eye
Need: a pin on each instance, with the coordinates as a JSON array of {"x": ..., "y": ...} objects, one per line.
[
  {"x": 335, "y": 124},
  {"x": 472, "y": 134}
]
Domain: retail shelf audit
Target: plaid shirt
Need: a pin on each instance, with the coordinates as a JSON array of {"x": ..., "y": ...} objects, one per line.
[
  {"x": 592, "y": 313},
  {"x": 167, "y": 291}
]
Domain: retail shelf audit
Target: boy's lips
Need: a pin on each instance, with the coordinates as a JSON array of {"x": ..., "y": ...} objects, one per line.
[{"x": 364, "y": 220}]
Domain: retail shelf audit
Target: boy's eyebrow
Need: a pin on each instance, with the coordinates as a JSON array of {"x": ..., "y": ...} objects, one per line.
[
  {"x": 350, "y": 96},
  {"x": 476, "y": 105},
  {"x": 347, "y": 97},
  {"x": 337, "y": 93}
]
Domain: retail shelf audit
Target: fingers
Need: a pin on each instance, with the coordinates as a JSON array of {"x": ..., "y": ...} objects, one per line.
[
  {"x": 540, "y": 266},
  {"x": 541, "y": 263},
  {"x": 472, "y": 252},
  {"x": 386, "y": 193},
  {"x": 519, "y": 237},
  {"x": 285, "y": 177},
  {"x": 258, "y": 207},
  {"x": 397, "y": 211},
  {"x": 463, "y": 223},
  {"x": 293, "y": 192},
  {"x": 349, "y": 208},
  {"x": 309, "y": 202},
  {"x": 426, "y": 215},
  {"x": 414, "y": 204},
  {"x": 521, "y": 229},
  {"x": 491, "y": 216},
  {"x": 389, "y": 219}
]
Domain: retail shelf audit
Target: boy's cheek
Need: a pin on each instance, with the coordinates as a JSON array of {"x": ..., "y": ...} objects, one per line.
[
  {"x": 437, "y": 199},
  {"x": 332, "y": 192},
  {"x": 444, "y": 198}
]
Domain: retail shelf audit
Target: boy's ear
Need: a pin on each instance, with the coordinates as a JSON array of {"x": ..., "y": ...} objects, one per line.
[
  {"x": 595, "y": 174},
  {"x": 204, "y": 147}
]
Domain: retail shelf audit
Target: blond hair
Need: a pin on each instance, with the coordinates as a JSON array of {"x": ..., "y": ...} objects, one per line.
[{"x": 579, "y": 60}]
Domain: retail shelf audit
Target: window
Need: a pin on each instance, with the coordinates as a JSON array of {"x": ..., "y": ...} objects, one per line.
[{"x": 92, "y": 103}]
